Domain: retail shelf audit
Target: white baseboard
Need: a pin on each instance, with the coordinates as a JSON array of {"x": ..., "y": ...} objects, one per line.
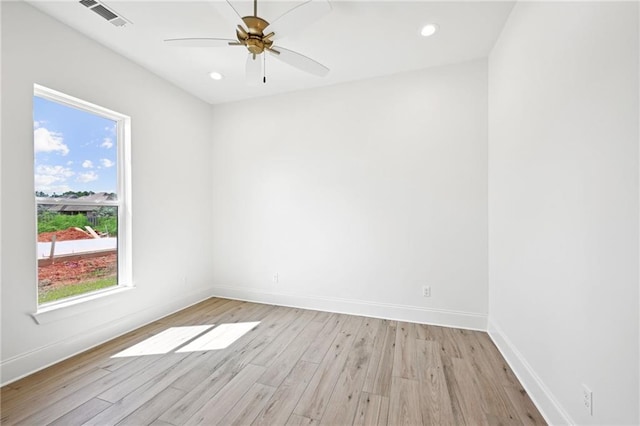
[
  {"x": 24, "y": 364},
  {"x": 541, "y": 396},
  {"x": 446, "y": 318}
]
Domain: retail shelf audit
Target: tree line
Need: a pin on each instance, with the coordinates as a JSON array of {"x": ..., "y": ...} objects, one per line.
[{"x": 67, "y": 194}]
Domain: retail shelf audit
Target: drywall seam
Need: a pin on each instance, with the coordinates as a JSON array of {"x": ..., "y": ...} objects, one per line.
[
  {"x": 544, "y": 400},
  {"x": 27, "y": 363},
  {"x": 417, "y": 314}
]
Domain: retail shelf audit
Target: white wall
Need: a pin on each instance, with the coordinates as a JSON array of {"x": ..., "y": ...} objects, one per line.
[
  {"x": 563, "y": 205},
  {"x": 357, "y": 195},
  {"x": 171, "y": 188}
]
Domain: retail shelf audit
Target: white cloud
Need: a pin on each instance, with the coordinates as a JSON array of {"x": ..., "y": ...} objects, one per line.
[
  {"x": 46, "y": 176},
  {"x": 107, "y": 143},
  {"x": 87, "y": 164},
  {"x": 48, "y": 141},
  {"x": 45, "y": 180},
  {"x": 59, "y": 171},
  {"x": 69, "y": 163},
  {"x": 107, "y": 163},
  {"x": 87, "y": 177}
]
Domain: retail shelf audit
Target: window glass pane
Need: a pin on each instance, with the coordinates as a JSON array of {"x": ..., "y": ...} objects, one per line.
[
  {"x": 75, "y": 150},
  {"x": 76, "y": 181},
  {"x": 77, "y": 250}
]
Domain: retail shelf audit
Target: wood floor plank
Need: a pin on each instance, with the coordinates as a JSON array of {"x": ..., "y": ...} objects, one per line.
[
  {"x": 404, "y": 403},
  {"x": 315, "y": 398},
  {"x": 284, "y": 400},
  {"x": 294, "y": 367},
  {"x": 151, "y": 410},
  {"x": 448, "y": 351},
  {"x": 404, "y": 359},
  {"x": 48, "y": 413},
  {"x": 381, "y": 384},
  {"x": 321, "y": 344},
  {"x": 322, "y": 317},
  {"x": 83, "y": 413},
  {"x": 468, "y": 389},
  {"x": 343, "y": 403},
  {"x": 133, "y": 382},
  {"x": 434, "y": 393},
  {"x": 495, "y": 403},
  {"x": 376, "y": 354},
  {"x": 423, "y": 332},
  {"x": 158, "y": 422},
  {"x": 296, "y": 420},
  {"x": 383, "y": 417},
  {"x": 201, "y": 313},
  {"x": 224, "y": 400},
  {"x": 192, "y": 401},
  {"x": 249, "y": 406},
  {"x": 524, "y": 408},
  {"x": 287, "y": 359},
  {"x": 263, "y": 340},
  {"x": 280, "y": 343},
  {"x": 372, "y": 410},
  {"x": 20, "y": 409},
  {"x": 136, "y": 398},
  {"x": 502, "y": 372}
]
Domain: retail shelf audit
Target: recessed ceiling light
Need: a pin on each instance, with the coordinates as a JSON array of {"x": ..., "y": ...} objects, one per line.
[
  {"x": 215, "y": 75},
  {"x": 429, "y": 30}
]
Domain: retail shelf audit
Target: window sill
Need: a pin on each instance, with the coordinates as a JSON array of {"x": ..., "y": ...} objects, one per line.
[{"x": 57, "y": 311}]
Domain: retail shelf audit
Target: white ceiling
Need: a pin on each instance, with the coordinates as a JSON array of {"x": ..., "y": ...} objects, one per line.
[{"x": 356, "y": 40}]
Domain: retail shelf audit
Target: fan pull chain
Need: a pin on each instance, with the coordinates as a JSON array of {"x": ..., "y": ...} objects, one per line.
[{"x": 264, "y": 68}]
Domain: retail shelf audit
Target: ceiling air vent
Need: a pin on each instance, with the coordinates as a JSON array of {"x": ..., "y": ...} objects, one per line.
[{"x": 106, "y": 12}]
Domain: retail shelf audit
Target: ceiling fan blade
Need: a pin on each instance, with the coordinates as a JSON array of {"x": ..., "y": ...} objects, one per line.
[
  {"x": 254, "y": 69},
  {"x": 201, "y": 42},
  {"x": 299, "y": 61},
  {"x": 299, "y": 18},
  {"x": 227, "y": 11}
]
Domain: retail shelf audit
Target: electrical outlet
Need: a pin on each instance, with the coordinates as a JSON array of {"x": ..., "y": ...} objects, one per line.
[
  {"x": 587, "y": 399},
  {"x": 426, "y": 291},
  {"x": 275, "y": 277}
]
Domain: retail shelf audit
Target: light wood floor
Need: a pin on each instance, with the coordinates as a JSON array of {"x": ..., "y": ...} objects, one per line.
[{"x": 295, "y": 367}]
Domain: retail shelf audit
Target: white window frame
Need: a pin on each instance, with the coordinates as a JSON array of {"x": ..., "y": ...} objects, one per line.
[{"x": 123, "y": 202}]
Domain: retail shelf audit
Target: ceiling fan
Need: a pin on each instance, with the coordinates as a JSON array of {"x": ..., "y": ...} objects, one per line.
[{"x": 257, "y": 35}]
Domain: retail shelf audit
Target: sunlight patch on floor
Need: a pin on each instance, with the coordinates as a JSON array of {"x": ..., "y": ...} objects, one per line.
[
  {"x": 220, "y": 337},
  {"x": 164, "y": 342}
]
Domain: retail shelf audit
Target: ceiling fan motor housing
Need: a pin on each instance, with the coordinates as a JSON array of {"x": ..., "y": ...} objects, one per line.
[{"x": 254, "y": 39}]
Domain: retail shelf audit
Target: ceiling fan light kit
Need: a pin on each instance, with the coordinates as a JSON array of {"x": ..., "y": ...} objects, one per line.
[{"x": 257, "y": 36}]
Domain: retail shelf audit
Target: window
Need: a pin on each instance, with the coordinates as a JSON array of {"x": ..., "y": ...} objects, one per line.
[{"x": 82, "y": 197}]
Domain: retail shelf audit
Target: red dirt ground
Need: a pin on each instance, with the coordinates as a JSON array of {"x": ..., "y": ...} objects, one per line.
[
  {"x": 77, "y": 271},
  {"x": 66, "y": 235},
  {"x": 74, "y": 272}
]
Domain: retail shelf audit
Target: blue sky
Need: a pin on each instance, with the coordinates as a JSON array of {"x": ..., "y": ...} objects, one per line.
[{"x": 74, "y": 150}]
